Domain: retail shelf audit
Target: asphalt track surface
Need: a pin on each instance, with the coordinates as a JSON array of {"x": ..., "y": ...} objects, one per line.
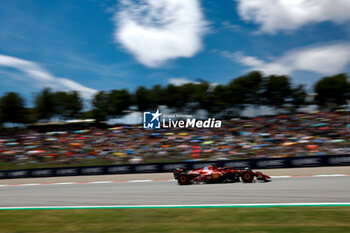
[
  {"x": 281, "y": 190},
  {"x": 166, "y": 176}
]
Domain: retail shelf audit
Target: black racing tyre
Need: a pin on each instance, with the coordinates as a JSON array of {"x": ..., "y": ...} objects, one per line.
[
  {"x": 247, "y": 177},
  {"x": 183, "y": 179}
]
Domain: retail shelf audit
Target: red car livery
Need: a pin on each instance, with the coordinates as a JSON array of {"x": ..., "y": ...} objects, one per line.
[{"x": 214, "y": 174}]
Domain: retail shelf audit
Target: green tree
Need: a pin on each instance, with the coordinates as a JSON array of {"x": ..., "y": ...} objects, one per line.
[
  {"x": 158, "y": 95},
  {"x": 67, "y": 105},
  {"x": 89, "y": 114},
  {"x": 245, "y": 90},
  {"x": 74, "y": 105},
  {"x": 217, "y": 99},
  {"x": 276, "y": 90},
  {"x": 143, "y": 99},
  {"x": 332, "y": 92},
  {"x": 201, "y": 94},
  {"x": 45, "y": 104},
  {"x": 298, "y": 95},
  {"x": 118, "y": 102},
  {"x": 60, "y": 99},
  {"x": 187, "y": 96},
  {"x": 172, "y": 96},
  {"x": 12, "y": 108},
  {"x": 31, "y": 116},
  {"x": 100, "y": 106}
]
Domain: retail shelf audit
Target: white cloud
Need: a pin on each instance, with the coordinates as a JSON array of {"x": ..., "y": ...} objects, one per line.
[
  {"x": 155, "y": 31},
  {"x": 325, "y": 60},
  {"x": 43, "y": 78},
  {"x": 274, "y": 15},
  {"x": 179, "y": 81}
]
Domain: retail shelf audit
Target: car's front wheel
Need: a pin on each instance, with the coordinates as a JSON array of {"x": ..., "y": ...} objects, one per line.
[{"x": 247, "y": 177}]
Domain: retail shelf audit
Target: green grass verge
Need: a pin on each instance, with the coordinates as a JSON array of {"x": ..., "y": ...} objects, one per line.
[{"x": 283, "y": 219}]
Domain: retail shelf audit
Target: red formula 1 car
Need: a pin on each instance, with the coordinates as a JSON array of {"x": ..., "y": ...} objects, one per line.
[{"x": 215, "y": 174}]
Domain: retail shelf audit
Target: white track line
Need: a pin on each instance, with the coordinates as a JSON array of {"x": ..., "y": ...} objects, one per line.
[
  {"x": 64, "y": 183},
  {"x": 330, "y": 175},
  {"x": 140, "y": 181},
  {"x": 100, "y": 182},
  {"x": 280, "y": 177}
]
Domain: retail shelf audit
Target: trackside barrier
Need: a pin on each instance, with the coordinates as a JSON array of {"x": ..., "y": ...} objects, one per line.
[{"x": 263, "y": 163}]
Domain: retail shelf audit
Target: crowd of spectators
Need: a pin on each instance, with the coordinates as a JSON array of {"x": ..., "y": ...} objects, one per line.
[{"x": 271, "y": 136}]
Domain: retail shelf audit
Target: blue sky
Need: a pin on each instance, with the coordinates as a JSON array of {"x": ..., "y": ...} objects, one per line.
[{"x": 90, "y": 45}]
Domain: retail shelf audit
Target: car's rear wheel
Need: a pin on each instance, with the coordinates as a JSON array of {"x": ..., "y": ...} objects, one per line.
[
  {"x": 247, "y": 177},
  {"x": 183, "y": 179}
]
